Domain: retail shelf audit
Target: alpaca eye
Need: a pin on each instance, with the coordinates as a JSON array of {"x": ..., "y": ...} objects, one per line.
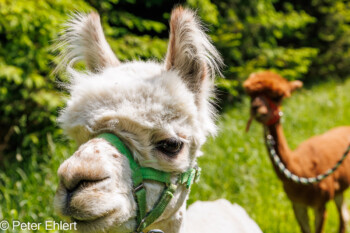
[{"x": 170, "y": 146}]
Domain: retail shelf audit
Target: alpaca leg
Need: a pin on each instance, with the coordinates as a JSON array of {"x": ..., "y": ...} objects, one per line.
[
  {"x": 300, "y": 212},
  {"x": 343, "y": 212},
  {"x": 320, "y": 216}
]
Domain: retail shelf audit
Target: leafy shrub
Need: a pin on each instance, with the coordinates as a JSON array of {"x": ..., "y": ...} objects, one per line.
[
  {"x": 307, "y": 40},
  {"x": 28, "y": 96}
]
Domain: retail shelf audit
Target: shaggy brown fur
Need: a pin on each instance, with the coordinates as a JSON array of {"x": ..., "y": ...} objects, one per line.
[
  {"x": 271, "y": 83},
  {"x": 313, "y": 157}
]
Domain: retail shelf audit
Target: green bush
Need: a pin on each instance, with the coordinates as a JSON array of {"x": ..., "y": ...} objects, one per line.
[
  {"x": 331, "y": 35},
  {"x": 28, "y": 96},
  {"x": 136, "y": 29},
  {"x": 256, "y": 35},
  {"x": 307, "y": 40}
]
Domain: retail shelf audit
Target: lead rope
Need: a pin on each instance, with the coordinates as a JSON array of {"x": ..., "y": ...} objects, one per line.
[{"x": 270, "y": 142}]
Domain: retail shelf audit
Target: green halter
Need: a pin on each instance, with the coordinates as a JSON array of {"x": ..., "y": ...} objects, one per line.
[{"x": 139, "y": 174}]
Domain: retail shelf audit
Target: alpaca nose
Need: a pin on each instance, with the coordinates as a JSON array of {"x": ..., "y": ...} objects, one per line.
[
  {"x": 256, "y": 104},
  {"x": 262, "y": 111},
  {"x": 258, "y": 108},
  {"x": 78, "y": 173},
  {"x": 79, "y": 182}
]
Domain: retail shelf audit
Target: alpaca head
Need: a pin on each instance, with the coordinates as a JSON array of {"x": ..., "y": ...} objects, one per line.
[
  {"x": 161, "y": 112},
  {"x": 267, "y": 90}
]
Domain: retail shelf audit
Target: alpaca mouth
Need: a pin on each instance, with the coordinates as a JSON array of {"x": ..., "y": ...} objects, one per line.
[
  {"x": 262, "y": 118},
  {"x": 82, "y": 220}
]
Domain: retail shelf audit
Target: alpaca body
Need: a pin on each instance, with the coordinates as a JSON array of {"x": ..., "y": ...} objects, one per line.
[
  {"x": 218, "y": 216},
  {"x": 208, "y": 217},
  {"x": 313, "y": 157}
]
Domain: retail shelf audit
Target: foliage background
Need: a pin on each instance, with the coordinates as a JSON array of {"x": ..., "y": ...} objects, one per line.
[{"x": 305, "y": 40}]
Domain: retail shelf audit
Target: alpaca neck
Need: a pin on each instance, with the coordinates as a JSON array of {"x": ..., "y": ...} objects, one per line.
[{"x": 281, "y": 147}]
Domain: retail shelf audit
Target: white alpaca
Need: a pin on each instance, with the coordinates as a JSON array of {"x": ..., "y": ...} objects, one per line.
[{"x": 161, "y": 112}]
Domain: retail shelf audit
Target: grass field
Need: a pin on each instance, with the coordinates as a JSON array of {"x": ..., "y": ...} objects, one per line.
[{"x": 235, "y": 164}]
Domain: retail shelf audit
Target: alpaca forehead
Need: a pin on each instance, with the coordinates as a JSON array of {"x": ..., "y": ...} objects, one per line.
[
  {"x": 141, "y": 91},
  {"x": 132, "y": 71}
]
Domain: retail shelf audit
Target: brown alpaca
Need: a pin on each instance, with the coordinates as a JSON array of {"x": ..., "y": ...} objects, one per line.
[{"x": 313, "y": 157}]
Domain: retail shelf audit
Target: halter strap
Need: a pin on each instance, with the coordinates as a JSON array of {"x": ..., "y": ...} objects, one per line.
[{"x": 139, "y": 174}]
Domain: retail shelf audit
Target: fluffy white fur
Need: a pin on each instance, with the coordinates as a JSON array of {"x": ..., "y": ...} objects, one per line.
[
  {"x": 219, "y": 216},
  {"x": 84, "y": 39},
  {"x": 143, "y": 103}
]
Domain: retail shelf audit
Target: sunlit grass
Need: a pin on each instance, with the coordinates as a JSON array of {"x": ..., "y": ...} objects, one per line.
[
  {"x": 235, "y": 164},
  {"x": 28, "y": 185}
]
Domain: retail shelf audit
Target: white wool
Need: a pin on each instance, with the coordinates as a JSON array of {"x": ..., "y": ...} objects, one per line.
[
  {"x": 219, "y": 216},
  {"x": 83, "y": 38}
]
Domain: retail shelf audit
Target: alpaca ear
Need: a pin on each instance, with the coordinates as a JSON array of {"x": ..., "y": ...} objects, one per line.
[
  {"x": 190, "y": 51},
  {"x": 295, "y": 85},
  {"x": 84, "y": 39}
]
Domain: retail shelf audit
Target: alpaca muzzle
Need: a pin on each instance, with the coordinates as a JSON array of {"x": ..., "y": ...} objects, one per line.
[{"x": 265, "y": 111}]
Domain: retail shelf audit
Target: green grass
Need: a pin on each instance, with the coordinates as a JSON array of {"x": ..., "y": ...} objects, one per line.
[
  {"x": 235, "y": 164},
  {"x": 28, "y": 185}
]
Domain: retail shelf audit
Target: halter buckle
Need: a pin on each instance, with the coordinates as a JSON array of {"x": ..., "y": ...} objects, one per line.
[{"x": 138, "y": 188}]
